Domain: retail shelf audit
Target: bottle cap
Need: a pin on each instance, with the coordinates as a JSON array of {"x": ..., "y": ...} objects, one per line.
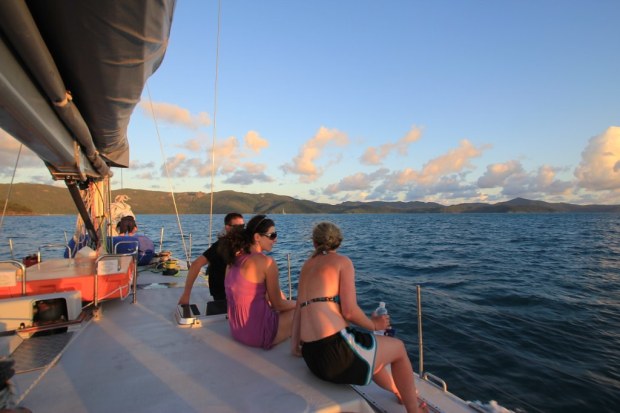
[{"x": 381, "y": 304}]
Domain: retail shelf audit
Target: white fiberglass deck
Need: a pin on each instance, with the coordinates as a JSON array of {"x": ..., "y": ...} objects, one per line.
[{"x": 136, "y": 358}]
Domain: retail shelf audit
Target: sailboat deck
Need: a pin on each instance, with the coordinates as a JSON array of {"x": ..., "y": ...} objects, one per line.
[{"x": 137, "y": 358}]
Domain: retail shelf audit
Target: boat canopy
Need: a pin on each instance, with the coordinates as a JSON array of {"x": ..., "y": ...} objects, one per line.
[{"x": 72, "y": 73}]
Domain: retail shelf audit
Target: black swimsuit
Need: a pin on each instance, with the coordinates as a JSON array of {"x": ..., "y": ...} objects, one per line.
[{"x": 347, "y": 356}]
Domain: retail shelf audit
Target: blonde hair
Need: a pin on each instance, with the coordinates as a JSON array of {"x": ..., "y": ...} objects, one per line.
[{"x": 326, "y": 237}]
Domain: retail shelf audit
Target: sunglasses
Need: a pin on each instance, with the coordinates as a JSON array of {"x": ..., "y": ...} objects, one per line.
[{"x": 271, "y": 235}]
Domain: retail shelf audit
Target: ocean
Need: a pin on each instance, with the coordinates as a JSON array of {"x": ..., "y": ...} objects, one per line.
[{"x": 523, "y": 309}]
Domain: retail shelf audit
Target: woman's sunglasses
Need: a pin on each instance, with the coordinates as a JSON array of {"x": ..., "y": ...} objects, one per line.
[{"x": 271, "y": 235}]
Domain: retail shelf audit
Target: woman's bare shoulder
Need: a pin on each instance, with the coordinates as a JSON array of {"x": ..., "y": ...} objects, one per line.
[
  {"x": 343, "y": 259},
  {"x": 262, "y": 259}
]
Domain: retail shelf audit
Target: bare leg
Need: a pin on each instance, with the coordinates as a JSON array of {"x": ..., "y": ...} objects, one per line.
[
  {"x": 392, "y": 351},
  {"x": 384, "y": 379}
]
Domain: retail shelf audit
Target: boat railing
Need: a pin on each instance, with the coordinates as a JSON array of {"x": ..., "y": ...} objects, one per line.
[
  {"x": 431, "y": 378},
  {"x": 20, "y": 266},
  {"x": 134, "y": 252},
  {"x": 110, "y": 257},
  {"x": 51, "y": 246}
]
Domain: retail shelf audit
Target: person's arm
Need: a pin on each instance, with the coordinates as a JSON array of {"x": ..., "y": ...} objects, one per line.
[
  {"x": 348, "y": 301},
  {"x": 192, "y": 274},
  {"x": 273, "y": 287},
  {"x": 295, "y": 337},
  {"x": 296, "y": 331}
]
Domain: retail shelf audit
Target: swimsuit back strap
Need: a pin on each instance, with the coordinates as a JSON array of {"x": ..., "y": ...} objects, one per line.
[{"x": 334, "y": 299}]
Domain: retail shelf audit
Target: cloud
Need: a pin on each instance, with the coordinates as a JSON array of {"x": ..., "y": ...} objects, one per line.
[
  {"x": 455, "y": 160},
  {"x": 600, "y": 162},
  {"x": 304, "y": 163},
  {"x": 229, "y": 162},
  {"x": 447, "y": 187},
  {"x": 244, "y": 177},
  {"x": 514, "y": 181},
  {"x": 254, "y": 167},
  {"x": 133, "y": 165},
  {"x": 375, "y": 155},
  {"x": 9, "y": 149},
  {"x": 254, "y": 142},
  {"x": 174, "y": 114},
  {"x": 227, "y": 154},
  {"x": 193, "y": 145},
  {"x": 497, "y": 174},
  {"x": 445, "y": 174},
  {"x": 356, "y": 182},
  {"x": 175, "y": 166}
]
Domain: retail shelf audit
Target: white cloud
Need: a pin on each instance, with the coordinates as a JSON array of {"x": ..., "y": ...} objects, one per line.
[
  {"x": 175, "y": 114},
  {"x": 9, "y": 150},
  {"x": 356, "y": 182},
  {"x": 497, "y": 174},
  {"x": 598, "y": 169},
  {"x": 304, "y": 164},
  {"x": 254, "y": 142},
  {"x": 375, "y": 155}
]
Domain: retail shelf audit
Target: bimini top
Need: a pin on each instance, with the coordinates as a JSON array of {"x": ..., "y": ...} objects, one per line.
[{"x": 72, "y": 73}]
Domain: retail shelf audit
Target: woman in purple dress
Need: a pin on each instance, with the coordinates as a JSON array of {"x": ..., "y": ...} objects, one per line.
[{"x": 258, "y": 313}]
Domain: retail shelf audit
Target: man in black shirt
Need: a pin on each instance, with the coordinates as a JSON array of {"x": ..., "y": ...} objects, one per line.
[{"x": 216, "y": 270}]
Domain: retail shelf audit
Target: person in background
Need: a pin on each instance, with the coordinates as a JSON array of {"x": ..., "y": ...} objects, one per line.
[
  {"x": 322, "y": 333},
  {"x": 216, "y": 269},
  {"x": 258, "y": 313},
  {"x": 127, "y": 226}
]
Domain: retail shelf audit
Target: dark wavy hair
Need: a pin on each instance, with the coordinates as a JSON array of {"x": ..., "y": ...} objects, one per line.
[
  {"x": 240, "y": 239},
  {"x": 126, "y": 225}
]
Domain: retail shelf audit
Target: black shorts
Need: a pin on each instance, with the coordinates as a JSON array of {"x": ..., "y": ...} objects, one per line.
[{"x": 347, "y": 357}]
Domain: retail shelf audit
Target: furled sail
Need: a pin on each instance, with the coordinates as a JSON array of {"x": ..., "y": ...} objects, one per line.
[{"x": 72, "y": 73}]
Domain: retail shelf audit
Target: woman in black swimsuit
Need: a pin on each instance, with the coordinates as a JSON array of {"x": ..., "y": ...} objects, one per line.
[{"x": 333, "y": 349}]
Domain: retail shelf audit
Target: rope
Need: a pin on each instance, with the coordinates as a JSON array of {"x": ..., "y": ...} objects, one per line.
[
  {"x": 8, "y": 195},
  {"x": 213, "y": 138},
  {"x": 161, "y": 148}
]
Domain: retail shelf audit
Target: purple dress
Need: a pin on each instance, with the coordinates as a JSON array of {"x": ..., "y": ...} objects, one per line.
[{"x": 252, "y": 321}]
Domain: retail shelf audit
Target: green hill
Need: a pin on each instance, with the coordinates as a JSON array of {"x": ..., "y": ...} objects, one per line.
[{"x": 36, "y": 199}]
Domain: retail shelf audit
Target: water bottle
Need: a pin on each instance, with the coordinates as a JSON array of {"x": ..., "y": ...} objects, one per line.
[{"x": 381, "y": 310}]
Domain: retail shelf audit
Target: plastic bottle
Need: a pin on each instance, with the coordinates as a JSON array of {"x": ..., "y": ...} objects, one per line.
[{"x": 381, "y": 310}]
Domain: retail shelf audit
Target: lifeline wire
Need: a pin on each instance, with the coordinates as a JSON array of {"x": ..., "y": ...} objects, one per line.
[
  {"x": 8, "y": 195},
  {"x": 161, "y": 148},
  {"x": 213, "y": 138}
]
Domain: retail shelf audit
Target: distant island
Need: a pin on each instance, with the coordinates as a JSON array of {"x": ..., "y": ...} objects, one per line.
[{"x": 37, "y": 199}]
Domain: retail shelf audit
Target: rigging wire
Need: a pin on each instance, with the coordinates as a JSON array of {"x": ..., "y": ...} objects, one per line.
[
  {"x": 161, "y": 148},
  {"x": 8, "y": 195},
  {"x": 213, "y": 138}
]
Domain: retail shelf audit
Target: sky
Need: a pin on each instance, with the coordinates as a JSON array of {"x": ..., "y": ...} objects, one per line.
[{"x": 332, "y": 101}]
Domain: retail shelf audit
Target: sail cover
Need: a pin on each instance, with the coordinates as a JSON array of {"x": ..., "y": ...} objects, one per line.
[{"x": 72, "y": 73}]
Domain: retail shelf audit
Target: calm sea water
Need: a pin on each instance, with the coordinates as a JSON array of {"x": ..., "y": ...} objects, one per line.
[{"x": 523, "y": 309}]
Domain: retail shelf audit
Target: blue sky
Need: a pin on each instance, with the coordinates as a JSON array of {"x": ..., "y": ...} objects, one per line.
[{"x": 444, "y": 101}]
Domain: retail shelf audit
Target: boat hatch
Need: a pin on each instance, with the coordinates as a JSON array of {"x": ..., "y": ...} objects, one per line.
[{"x": 37, "y": 310}]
